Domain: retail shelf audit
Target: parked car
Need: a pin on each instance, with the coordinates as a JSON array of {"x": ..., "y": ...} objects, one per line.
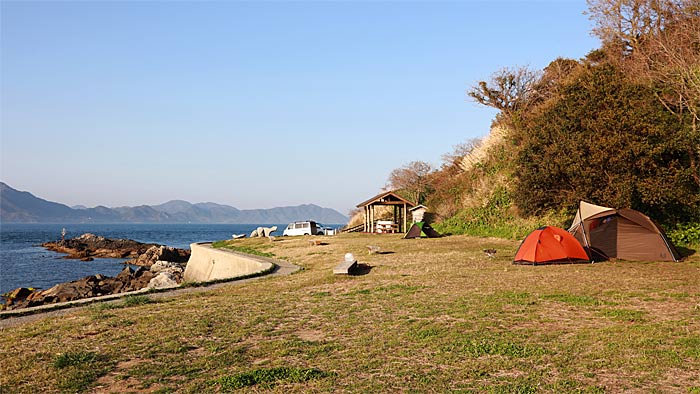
[{"x": 307, "y": 227}]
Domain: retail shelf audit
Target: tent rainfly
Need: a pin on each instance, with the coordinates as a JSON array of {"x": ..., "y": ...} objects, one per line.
[
  {"x": 550, "y": 245},
  {"x": 621, "y": 233}
]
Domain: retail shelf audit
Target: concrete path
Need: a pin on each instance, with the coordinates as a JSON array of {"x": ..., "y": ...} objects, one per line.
[{"x": 26, "y": 315}]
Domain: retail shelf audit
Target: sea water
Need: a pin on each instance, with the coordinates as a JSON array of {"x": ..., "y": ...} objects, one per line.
[{"x": 25, "y": 263}]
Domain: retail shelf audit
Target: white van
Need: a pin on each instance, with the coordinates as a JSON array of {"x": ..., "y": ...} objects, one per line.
[{"x": 308, "y": 227}]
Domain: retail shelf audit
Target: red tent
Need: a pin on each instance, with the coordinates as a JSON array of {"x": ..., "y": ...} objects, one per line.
[{"x": 550, "y": 245}]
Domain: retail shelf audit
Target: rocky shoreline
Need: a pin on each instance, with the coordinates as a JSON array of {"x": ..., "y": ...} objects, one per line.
[{"x": 159, "y": 266}]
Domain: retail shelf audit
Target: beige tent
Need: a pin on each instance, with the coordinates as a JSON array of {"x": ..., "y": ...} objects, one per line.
[{"x": 621, "y": 233}]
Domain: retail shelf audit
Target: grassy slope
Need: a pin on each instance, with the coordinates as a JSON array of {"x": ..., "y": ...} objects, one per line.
[{"x": 434, "y": 315}]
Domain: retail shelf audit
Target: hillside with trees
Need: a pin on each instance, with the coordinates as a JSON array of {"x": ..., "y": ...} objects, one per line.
[{"x": 619, "y": 128}]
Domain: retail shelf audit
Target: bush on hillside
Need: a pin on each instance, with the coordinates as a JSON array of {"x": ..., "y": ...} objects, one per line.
[{"x": 609, "y": 141}]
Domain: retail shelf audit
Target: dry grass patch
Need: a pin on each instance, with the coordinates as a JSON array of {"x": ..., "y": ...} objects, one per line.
[{"x": 429, "y": 315}]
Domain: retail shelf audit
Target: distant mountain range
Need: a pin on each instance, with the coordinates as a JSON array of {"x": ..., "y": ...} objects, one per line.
[{"x": 23, "y": 207}]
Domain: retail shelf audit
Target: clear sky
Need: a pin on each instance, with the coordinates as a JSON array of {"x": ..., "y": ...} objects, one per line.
[{"x": 253, "y": 104}]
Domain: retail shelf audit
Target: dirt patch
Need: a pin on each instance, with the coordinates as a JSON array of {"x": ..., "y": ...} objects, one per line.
[
  {"x": 117, "y": 381},
  {"x": 310, "y": 335}
]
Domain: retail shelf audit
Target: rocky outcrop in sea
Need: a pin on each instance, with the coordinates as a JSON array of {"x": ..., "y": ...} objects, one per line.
[
  {"x": 158, "y": 267},
  {"x": 90, "y": 246}
]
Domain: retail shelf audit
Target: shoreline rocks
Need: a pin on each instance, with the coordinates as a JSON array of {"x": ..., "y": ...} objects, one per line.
[
  {"x": 160, "y": 253},
  {"x": 90, "y": 246},
  {"x": 158, "y": 267}
]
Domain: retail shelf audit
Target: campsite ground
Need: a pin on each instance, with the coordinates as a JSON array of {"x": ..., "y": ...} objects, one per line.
[{"x": 426, "y": 315}]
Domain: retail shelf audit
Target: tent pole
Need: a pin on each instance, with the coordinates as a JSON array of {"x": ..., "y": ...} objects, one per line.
[
  {"x": 583, "y": 229},
  {"x": 663, "y": 238}
]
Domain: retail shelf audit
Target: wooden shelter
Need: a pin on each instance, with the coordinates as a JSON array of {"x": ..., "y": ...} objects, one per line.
[{"x": 400, "y": 211}]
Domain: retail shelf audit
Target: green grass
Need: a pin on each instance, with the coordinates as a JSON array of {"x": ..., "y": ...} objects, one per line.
[
  {"x": 691, "y": 346},
  {"x": 135, "y": 300},
  {"x": 489, "y": 345},
  {"x": 435, "y": 315},
  {"x": 254, "y": 250},
  {"x": 72, "y": 359},
  {"x": 624, "y": 315},
  {"x": 77, "y": 371},
  {"x": 268, "y": 377},
  {"x": 578, "y": 300}
]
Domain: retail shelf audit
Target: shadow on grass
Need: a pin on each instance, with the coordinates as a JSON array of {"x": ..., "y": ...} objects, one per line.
[
  {"x": 362, "y": 269},
  {"x": 685, "y": 252}
]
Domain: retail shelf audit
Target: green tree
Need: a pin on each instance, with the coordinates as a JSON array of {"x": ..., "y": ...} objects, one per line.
[
  {"x": 657, "y": 43},
  {"x": 605, "y": 139}
]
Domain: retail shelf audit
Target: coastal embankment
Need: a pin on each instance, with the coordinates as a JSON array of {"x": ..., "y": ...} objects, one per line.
[{"x": 210, "y": 264}]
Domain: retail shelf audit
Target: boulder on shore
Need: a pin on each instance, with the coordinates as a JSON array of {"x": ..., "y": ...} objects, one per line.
[
  {"x": 89, "y": 286},
  {"x": 160, "y": 253},
  {"x": 163, "y": 280},
  {"x": 263, "y": 231},
  {"x": 128, "y": 279}
]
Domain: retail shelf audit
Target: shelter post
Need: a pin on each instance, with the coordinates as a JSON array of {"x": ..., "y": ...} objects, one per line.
[
  {"x": 365, "y": 211},
  {"x": 405, "y": 215}
]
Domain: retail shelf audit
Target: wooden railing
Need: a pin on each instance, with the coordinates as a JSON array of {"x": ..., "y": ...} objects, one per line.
[{"x": 353, "y": 229}]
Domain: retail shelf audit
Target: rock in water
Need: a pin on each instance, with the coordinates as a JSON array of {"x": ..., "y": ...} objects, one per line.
[{"x": 90, "y": 246}]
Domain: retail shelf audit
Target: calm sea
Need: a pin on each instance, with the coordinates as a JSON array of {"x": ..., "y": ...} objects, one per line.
[{"x": 24, "y": 263}]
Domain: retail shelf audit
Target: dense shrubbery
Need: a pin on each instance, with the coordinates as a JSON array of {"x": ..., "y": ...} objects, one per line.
[
  {"x": 619, "y": 128},
  {"x": 604, "y": 139},
  {"x": 686, "y": 234}
]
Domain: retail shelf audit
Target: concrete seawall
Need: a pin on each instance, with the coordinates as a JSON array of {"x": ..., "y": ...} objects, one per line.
[{"x": 207, "y": 264}]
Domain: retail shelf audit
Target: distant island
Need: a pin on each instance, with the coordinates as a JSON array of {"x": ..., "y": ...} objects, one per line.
[{"x": 23, "y": 207}]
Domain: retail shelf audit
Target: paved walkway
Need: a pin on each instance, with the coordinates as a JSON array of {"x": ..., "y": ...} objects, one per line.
[{"x": 10, "y": 319}]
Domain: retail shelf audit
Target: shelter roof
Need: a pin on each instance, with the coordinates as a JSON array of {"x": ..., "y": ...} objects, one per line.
[
  {"x": 419, "y": 207},
  {"x": 386, "y": 198}
]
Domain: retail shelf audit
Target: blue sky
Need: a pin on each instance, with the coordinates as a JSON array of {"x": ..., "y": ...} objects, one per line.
[{"x": 253, "y": 104}]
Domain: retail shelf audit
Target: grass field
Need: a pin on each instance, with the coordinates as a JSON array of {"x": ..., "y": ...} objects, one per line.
[{"x": 428, "y": 315}]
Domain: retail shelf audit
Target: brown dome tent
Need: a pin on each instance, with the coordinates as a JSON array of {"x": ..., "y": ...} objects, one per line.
[
  {"x": 550, "y": 245},
  {"x": 621, "y": 233}
]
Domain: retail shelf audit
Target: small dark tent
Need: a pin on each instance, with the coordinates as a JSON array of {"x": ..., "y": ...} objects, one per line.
[
  {"x": 421, "y": 230},
  {"x": 550, "y": 245},
  {"x": 621, "y": 233}
]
